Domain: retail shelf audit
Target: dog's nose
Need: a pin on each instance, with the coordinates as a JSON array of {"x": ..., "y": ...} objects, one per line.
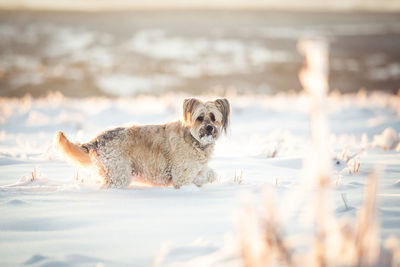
[{"x": 209, "y": 128}]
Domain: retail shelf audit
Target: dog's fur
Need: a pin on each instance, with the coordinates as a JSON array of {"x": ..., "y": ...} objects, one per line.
[{"x": 173, "y": 153}]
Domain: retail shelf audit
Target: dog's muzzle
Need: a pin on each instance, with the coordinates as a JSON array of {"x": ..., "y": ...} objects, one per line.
[{"x": 208, "y": 130}]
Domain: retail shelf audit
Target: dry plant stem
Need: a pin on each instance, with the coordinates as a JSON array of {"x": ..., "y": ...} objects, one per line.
[
  {"x": 34, "y": 174},
  {"x": 249, "y": 225},
  {"x": 322, "y": 229},
  {"x": 238, "y": 177},
  {"x": 273, "y": 237},
  {"x": 344, "y": 201},
  {"x": 366, "y": 239},
  {"x": 354, "y": 155},
  {"x": 262, "y": 244},
  {"x": 274, "y": 240},
  {"x": 314, "y": 78}
]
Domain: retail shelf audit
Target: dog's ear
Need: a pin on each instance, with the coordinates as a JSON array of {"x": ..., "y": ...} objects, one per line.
[
  {"x": 189, "y": 105},
  {"x": 223, "y": 105}
]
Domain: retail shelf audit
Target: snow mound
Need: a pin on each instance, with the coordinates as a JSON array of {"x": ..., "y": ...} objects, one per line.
[{"x": 387, "y": 140}]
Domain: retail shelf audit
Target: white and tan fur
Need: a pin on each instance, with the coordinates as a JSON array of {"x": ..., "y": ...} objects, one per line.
[{"x": 173, "y": 153}]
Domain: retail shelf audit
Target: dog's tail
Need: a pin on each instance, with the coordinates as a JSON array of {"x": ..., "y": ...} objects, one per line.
[{"x": 74, "y": 151}]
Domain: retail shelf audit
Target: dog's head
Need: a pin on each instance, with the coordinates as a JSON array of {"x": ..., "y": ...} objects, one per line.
[{"x": 206, "y": 120}]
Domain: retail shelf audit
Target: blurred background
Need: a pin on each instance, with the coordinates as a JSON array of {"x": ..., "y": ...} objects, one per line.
[{"x": 126, "y": 48}]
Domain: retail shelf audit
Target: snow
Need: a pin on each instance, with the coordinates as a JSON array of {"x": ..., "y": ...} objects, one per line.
[
  {"x": 207, "y": 139},
  {"x": 387, "y": 140},
  {"x": 201, "y": 56},
  {"x": 55, "y": 214},
  {"x": 127, "y": 85}
]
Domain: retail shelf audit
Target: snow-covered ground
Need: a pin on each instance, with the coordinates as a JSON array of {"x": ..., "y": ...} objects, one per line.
[
  {"x": 54, "y": 214},
  {"x": 85, "y": 54}
]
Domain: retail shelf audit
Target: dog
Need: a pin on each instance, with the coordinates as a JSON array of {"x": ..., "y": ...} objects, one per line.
[{"x": 175, "y": 153}]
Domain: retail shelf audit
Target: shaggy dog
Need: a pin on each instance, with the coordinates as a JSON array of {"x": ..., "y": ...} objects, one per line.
[{"x": 173, "y": 153}]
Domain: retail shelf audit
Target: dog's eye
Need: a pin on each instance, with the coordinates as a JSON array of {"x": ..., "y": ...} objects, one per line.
[
  {"x": 212, "y": 117},
  {"x": 200, "y": 118}
]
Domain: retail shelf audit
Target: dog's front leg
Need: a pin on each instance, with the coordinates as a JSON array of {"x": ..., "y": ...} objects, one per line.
[
  {"x": 181, "y": 176},
  {"x": 179, "y": 180},
  {"x": 206, "y": 175}
]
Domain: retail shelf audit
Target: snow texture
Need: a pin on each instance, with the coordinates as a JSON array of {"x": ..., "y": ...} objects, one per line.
[
  {"x": 207, "y": 139},
  {"x": 53, "y": 214}
]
